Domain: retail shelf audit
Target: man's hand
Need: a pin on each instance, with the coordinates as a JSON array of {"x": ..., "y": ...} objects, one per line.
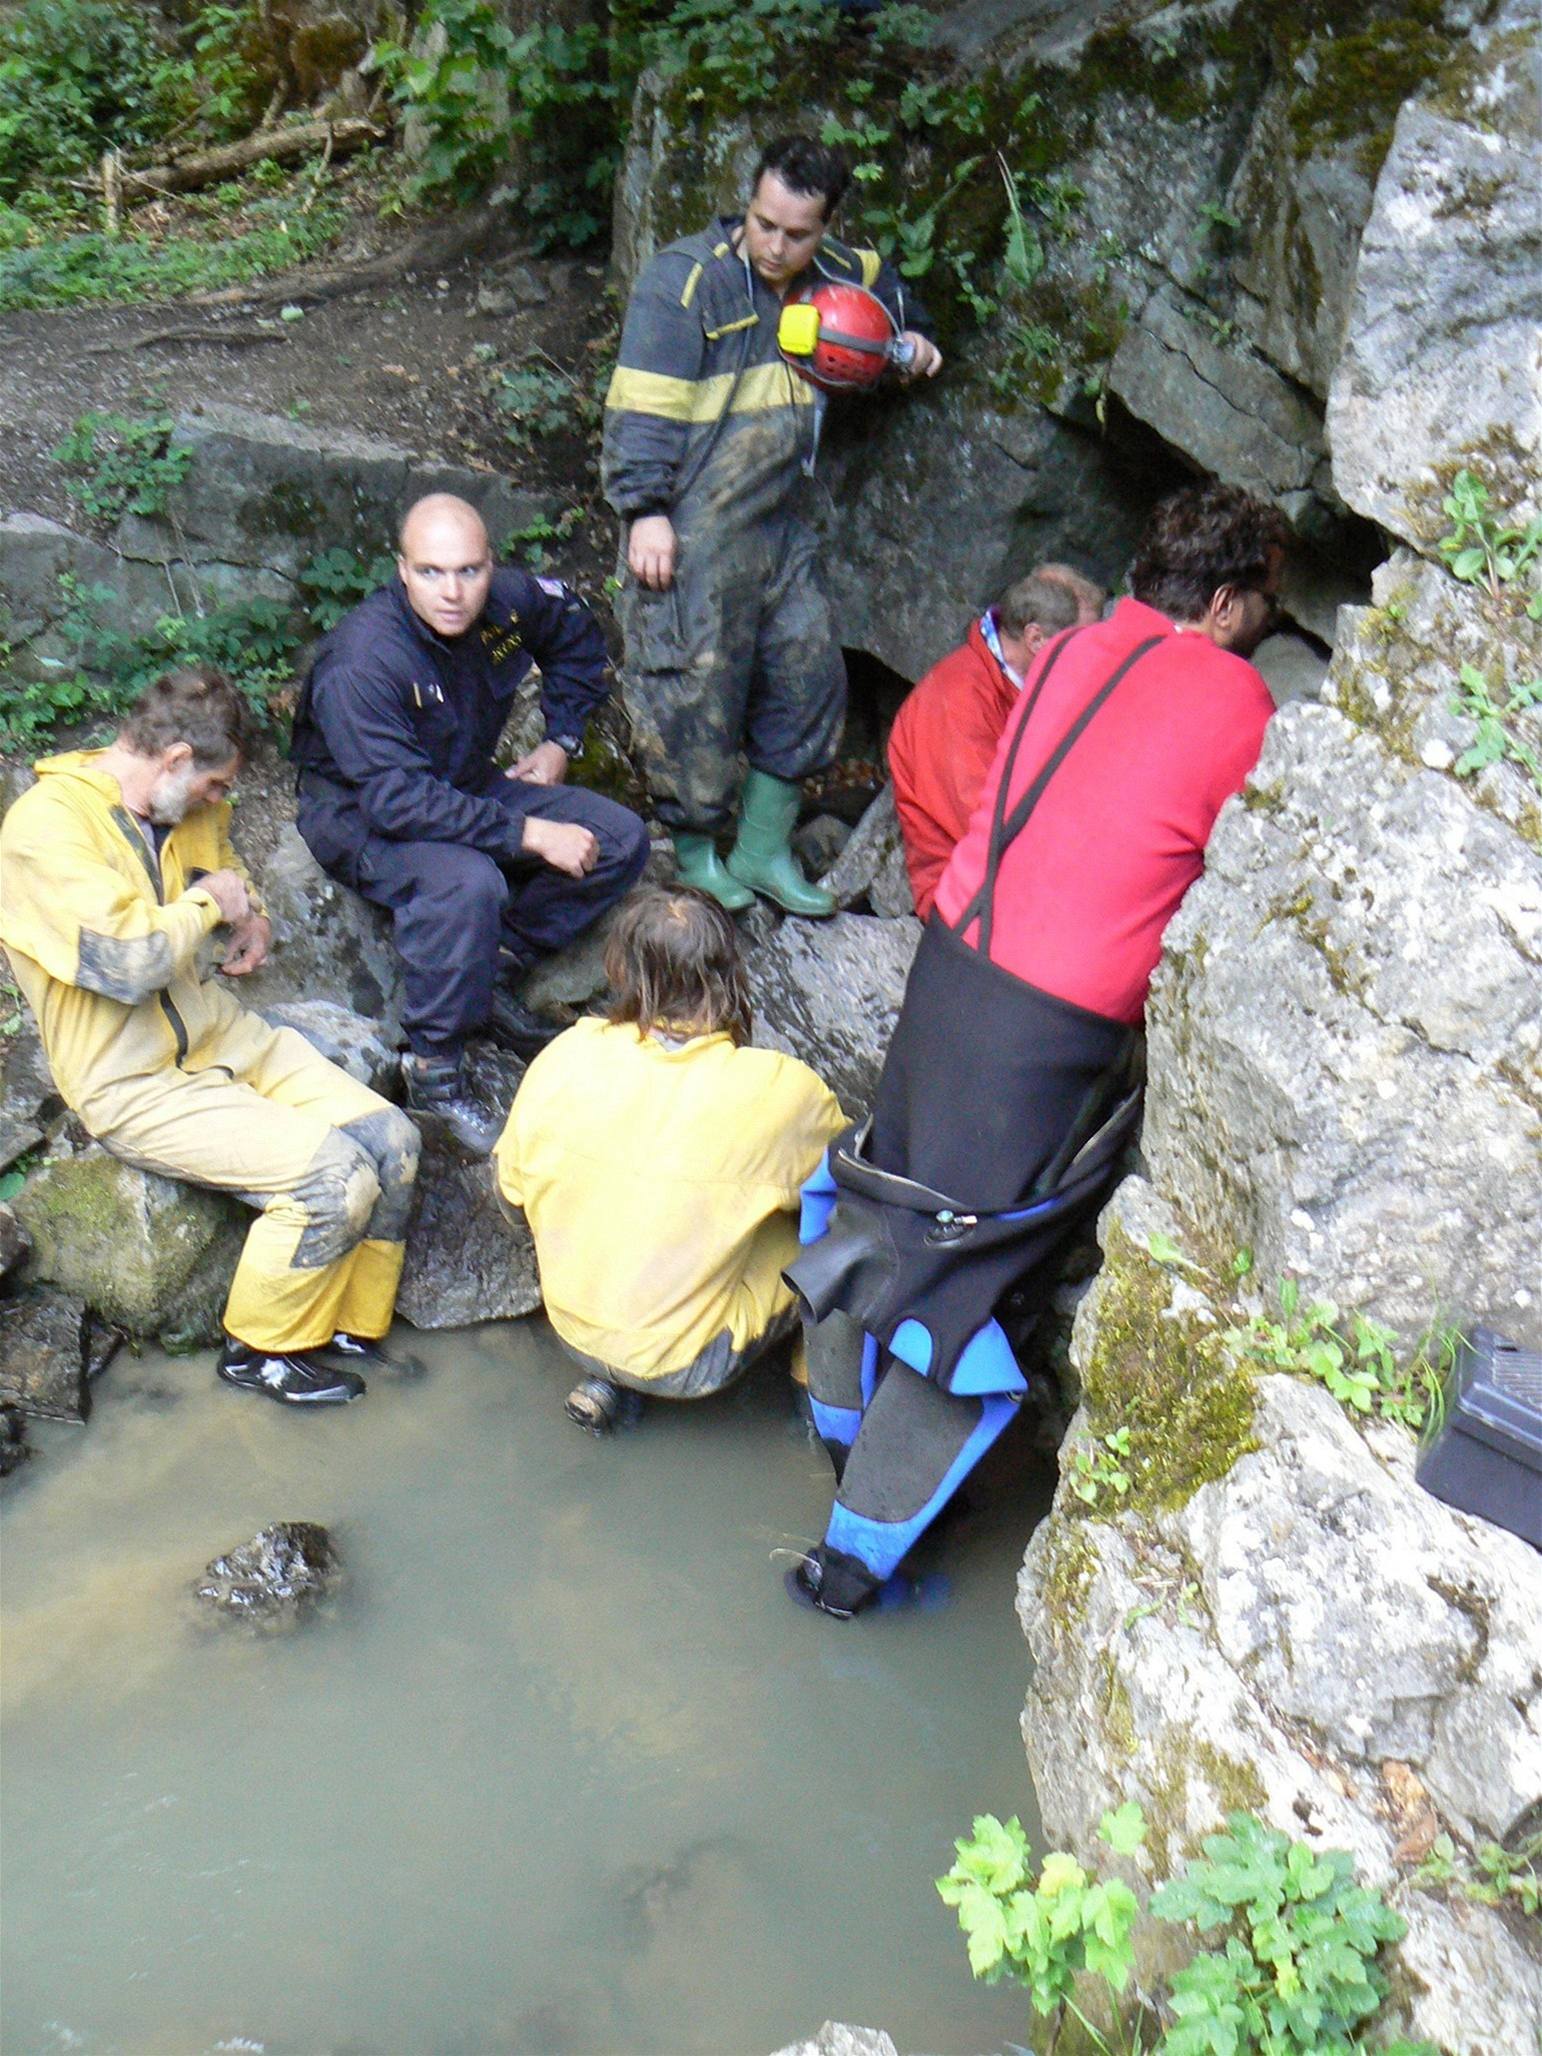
[
  {"x": 248, "y": 950},
  {"x": 651, "y": 549},
  {"x": 227, "y": 889},
  {"x": 562, "y": 844},
  {"x": 546, "y": 764},
  {"x": 927, "y": 361}
]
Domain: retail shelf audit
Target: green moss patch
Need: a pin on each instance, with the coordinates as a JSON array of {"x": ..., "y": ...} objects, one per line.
[{"x": 1167, "y": 1378}]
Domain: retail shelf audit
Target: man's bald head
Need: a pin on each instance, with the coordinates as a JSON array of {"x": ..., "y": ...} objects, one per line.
[{"x": 445, "y": 562}]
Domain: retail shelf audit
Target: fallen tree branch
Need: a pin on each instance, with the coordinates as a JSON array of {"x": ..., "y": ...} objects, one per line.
[{"x": 208, "y": 167}]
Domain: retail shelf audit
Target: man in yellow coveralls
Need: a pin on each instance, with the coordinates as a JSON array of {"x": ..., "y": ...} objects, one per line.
[{"x": 114, "y": 869}]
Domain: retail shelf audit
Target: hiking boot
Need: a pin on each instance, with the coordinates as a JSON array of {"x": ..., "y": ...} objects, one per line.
[
  {"x": 293, "y": 1377},
  {"x": 441, "y": 1089},
  {"x": 516, "y": 1027},
  {"x": 762, "y": 856}
]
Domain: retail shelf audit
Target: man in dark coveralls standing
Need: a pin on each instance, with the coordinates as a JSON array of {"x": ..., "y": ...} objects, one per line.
[{"x": 483, "y": 871}]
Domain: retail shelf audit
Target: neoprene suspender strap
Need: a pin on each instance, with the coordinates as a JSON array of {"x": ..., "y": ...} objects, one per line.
[{"x": 1005, "y": 828}]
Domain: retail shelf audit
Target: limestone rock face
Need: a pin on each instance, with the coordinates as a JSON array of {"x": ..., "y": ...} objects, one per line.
[
  {"x": 1281, "y": 1621},
  {"x": 328, "y": 944},
  {"x": 28, "y": 1101},
  {"x": 343, "y": 1038},
  {"x": 1442, "y": 362},
  {"x": 467, "y": 1259},
  {"x": 829, "y": 992},
  {"x": 871, "y": 865},
  {"x": 148, "y": 1253},
  {"x": 267, "y": 494},
  {"x": 1358, "y": 1127}
]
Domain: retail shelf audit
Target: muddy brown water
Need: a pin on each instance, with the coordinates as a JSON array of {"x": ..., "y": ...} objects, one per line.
[{"x": 561, "y": 1769}]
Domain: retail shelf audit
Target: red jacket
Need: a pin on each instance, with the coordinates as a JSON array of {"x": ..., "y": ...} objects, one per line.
[
  {"x": 1084, "y": 893},
  {"x": 940, "y": 749}
]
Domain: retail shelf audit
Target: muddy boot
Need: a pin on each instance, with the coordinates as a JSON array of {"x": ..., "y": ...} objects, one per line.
[
  {"x": 518, "y": 1028},
  {"x": 594, "y": 1404},
  {"x": 293, "y": 1377},
  {"x": 762, "y": 857},
  {"x": 441, "y": 1089},
  {"x": 699, "y": 864}
]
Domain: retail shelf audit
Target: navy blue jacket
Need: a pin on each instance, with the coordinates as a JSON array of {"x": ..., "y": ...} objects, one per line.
[{"x": 407, "y": 720}]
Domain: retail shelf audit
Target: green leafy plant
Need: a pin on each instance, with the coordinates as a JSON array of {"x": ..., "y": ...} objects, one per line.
[
  {"x": 1496, "y": 741},
  {"x": 1481, "y": 548},
  {"x": 1296, "y": 1973},
  {"x": 121, "y": 465},
  {"x": 540, "y": 400},
  {"x": 730, "y": 47},
  {"x": 338, "y": 579},
  {"x": 40, "y": 267},
  {"x": 1492, "y": 1876},
  {"x": 1356, "y": 1360},
  {"x": 1045, "y": 1930},
  {"x": 529, "y": 543},
  {"x": 76, "y": 80},
  {"x": 254, "y": 641},
  {"x": 20, "y": 1169},
  {"x": 443, "y": 79},
  {"x": 1098, "y": 1466}
]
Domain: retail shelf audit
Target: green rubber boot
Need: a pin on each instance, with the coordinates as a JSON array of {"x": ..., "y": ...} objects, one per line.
[
  {"x": 697, "y": 861},
  {"x": 768, "y": 813}
]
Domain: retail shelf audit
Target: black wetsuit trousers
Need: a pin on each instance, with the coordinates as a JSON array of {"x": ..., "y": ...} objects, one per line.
[{"x": 454, "y": 909}]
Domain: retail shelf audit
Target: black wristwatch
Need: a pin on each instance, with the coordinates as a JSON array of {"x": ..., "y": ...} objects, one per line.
[{"x": 569, "y": 744}]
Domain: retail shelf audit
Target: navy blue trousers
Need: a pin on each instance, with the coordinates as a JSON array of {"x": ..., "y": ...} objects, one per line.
[{"x": 454, "y": 908}]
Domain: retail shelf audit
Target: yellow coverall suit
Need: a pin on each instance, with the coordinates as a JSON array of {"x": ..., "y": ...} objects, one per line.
[{"x": 167, "y": 1071}]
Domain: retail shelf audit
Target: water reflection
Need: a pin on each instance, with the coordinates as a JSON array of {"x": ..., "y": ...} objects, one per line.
[{"x": 562, "y": 1769}]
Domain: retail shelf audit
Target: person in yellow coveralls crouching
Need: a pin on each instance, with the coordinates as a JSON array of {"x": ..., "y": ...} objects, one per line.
[
  {"x": 659, "y": 1164},
  {"x": 114, "y": 868}
]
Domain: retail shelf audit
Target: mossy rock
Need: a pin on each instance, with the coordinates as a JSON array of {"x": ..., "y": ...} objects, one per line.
[{"x": 137, "y": 1248}]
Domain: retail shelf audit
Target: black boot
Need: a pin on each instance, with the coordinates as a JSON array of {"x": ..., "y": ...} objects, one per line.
[
  {"x": 833, "y": 1582},
  {"x": 294, "y": 1377},
  {"x": 370, "y": 1349},
  {"x": 518, "y": 1028},
  {"x": 440, "y": 1088}
]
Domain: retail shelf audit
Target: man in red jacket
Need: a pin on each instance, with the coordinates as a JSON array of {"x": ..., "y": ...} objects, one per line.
[
  {"x": 945, "y": 735},
  {"x": 1008, "y": 1088}
]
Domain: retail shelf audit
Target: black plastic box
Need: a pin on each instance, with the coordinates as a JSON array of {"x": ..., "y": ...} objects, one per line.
[{"x": 1486, "y": 1456}]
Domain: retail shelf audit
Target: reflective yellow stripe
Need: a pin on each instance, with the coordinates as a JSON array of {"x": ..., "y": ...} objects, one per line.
[
  {"x": 690, "y": 286},
  {"x": 730, "y": 328},
  {"x": 871, "y": 263},
  {"x": 762, "y": 389}
]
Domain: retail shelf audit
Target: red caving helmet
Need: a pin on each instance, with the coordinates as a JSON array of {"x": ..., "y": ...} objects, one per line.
[{"x": 847, "y": 345}]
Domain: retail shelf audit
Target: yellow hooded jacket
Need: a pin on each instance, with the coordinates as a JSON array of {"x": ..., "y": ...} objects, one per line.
[{"x": 104, "y": 938}]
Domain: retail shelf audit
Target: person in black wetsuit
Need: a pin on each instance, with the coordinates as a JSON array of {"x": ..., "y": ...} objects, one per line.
[{"x": 399, "y": 797}]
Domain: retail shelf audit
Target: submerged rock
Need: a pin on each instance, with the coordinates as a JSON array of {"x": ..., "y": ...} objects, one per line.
[
  {"x": 836, "y": 2038},
  {"x": 51, "y": 1347},
  {"x": 14, "y": 1447},
  {"x": 275, "y": 1577}
]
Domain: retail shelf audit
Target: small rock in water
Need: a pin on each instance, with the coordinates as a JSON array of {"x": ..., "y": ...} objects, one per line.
[
  {"x": 276, "y": 1576},
  {"x": 14, "y": 1447}
]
